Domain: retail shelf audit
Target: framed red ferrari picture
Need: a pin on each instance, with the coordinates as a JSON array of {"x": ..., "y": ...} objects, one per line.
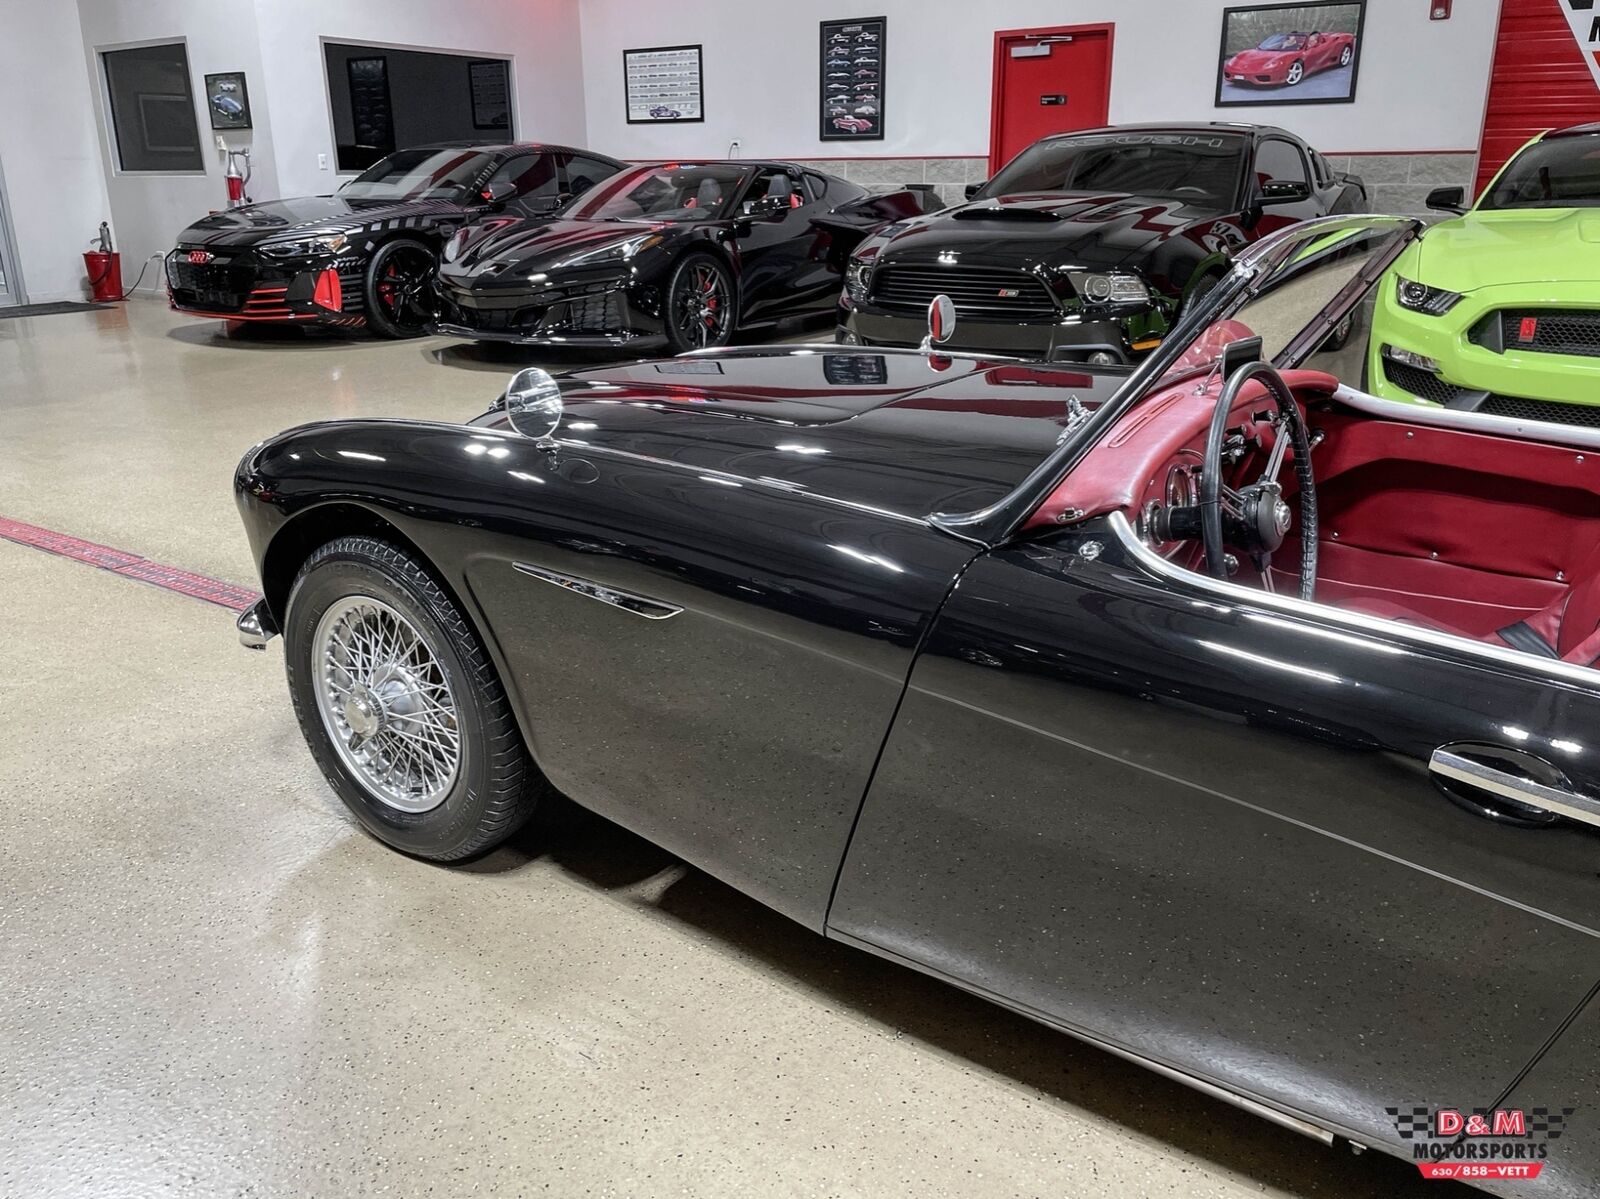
[{"x": 1291, "y": 53}]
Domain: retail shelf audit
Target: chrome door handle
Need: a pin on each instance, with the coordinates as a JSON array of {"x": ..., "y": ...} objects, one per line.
[{"x": 1555, "y": 800}]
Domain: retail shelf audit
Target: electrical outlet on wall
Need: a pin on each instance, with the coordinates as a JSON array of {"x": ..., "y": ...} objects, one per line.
[{"x": 322, "y": 162}]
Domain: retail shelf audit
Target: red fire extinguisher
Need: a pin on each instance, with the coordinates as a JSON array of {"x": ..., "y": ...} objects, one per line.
[
  {"x": 237, "y": 177},
  {"x": 105, "y": 268}
]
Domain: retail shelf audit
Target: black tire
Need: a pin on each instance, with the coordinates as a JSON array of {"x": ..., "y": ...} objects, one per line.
[
  {"x": 684, "y": 330},
  {"x": 1345, "y": 56},
  {"x": 1342, "y": 333},
  {"x": 400, "y": 288},
  {"x": 1293, "y": 80},
  {"x": 495, "y": 787},
  {"x": 1201, "y": 289}
]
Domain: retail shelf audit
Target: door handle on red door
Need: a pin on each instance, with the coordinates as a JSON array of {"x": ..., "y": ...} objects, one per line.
[{"x": 1546, "y": 800}]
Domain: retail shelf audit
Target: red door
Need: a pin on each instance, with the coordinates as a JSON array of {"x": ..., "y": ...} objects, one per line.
[
  {"x": 1539, "y": 81},
  {"x": 1047, "y": 81}
]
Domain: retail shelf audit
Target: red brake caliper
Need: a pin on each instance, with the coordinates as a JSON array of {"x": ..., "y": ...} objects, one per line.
[
  {"x": 386, "y": 286},
  {"x": 711, "y": 300}
]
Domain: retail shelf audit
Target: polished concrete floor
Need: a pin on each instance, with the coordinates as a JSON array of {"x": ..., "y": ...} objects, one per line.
[{"x": 211, "y": 983}]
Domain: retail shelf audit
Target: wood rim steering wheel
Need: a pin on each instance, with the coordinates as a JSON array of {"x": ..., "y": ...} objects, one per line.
[{"x": 1255, "y": 518}]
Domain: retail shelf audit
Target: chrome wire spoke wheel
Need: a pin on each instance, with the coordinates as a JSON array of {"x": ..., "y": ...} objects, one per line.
[{"x": 386, "y": 703}]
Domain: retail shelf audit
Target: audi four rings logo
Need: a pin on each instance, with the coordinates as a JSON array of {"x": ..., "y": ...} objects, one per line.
[{"x": 200, "y": 257}]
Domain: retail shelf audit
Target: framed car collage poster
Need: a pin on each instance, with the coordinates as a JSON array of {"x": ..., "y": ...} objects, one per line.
[
  {"x": 852, "y": 80},
  {"x": 1291, "y": 53},
  {"x": 665, "y": 84}
]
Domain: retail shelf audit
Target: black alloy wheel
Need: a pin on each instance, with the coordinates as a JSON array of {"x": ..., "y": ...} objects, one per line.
[
  {"x": 699, "y": 304},
  {"x": 400, "y": 288}
]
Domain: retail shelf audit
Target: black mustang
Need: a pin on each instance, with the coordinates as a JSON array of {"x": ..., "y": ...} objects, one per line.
[
  {"x": 683, "y": 254},
  {"x": 366, "y": 255},
  {"x": 1098, "y": 693},
  {"x": 1085, "y": 245}
]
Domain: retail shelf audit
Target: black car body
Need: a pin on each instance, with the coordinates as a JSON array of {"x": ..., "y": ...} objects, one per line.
[
  {"x": 309, "y": 259},
  {"x": 765, "y": 240},
  {"x": 911, "y": 648},
  {"x": 1090, "y": 257}
]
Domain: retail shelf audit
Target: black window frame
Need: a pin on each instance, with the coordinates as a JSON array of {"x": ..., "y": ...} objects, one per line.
[
  {"x": 1255, "y": 166},
  {"x": 196, "y": 166},
  {"x": 475, "y": 137}
]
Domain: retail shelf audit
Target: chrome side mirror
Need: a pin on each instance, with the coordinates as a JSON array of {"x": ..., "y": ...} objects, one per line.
[
  {"x": 533, "y": 402},
  {"x": 941, "y": 322}
]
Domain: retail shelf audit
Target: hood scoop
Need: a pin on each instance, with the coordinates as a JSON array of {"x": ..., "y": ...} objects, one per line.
[{"x": 1005, "y": 212}]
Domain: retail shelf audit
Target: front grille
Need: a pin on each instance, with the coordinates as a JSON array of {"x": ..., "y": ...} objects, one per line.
[
  {"x": 217, "y": 286},
  {"x": 1546, "y": 410},
  {"x": 1554, "y": 331},
  {"x": 1423, "y": 384},
  {"x": 977, "y": 291},
  {"x": 590, "y": 314}
]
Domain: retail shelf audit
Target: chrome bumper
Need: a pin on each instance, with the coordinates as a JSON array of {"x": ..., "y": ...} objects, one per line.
[{"x": 256, "y": 626}]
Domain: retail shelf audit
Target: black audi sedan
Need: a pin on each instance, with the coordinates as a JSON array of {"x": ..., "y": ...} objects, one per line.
[
  {"x": 1086, "y": 245},
  {"x": 365, "y": 256},
  {"x": 678, "y": 253}
]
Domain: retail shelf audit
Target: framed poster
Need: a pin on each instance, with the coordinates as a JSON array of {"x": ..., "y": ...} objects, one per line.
[
  {"x": 489, "y": 79},
  {"x": 1291, "y": 53},
  {"x": 227, "y": 100},
  {"x": 851, "y": 92},
  {"x": 664, "y": 84}
]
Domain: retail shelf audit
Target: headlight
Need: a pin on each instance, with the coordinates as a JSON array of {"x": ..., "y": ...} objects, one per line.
[
  {"x": 1419, "y": 297},
  {"x": 621, "y": 251},
  {"x": 305, "y": 246},
  {"x": 1109, "y": 289},
  {"x": 857, "y": 277}
]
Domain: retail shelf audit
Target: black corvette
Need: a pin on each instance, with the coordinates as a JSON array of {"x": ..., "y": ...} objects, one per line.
[
  {"x": 1085, "y": 245},
  {"x": 1216, "y": 712},
  {"x": 366, "y": 255},
  {"x": 680, "y": 253}
]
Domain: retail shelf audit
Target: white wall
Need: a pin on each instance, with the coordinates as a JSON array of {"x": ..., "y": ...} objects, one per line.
[
  {"x": 277, "y": 43},
  {"x": 540, "y": 36},
  {"x": 152, "y": 208},
  {"x": 48, "y": 148},
  {"x": 1422, "y": 84}
]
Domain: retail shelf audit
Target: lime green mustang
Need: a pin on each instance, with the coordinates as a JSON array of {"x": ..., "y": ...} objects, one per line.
[{"x": 1498, "y": 310}]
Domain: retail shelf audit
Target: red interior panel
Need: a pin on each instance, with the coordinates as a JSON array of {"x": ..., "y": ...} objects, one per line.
[{"x": 1468, "y": 532}]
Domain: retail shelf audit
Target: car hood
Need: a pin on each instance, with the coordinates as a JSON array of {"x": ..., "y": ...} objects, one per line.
[
  {"x": 1058, "y": 229},
  {"x": 1530, "y": 245},
  {"x": 902, "y": 432},
  {"x": 302, "y": 216},
  {"x": 1260, "y": 60},
  {"x": 538, "y": 243}
]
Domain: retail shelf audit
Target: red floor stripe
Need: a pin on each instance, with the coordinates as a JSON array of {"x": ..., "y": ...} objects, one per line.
[{"x": 131, "y": 566}]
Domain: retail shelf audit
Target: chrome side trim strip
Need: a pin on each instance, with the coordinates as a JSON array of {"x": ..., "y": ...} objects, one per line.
[
  {"x": 639, "y": 605},
  {"x": 1468, "y": 422},
  {"x": 1391, "y": 630},
  {"x": 1254, "y": 1107},
  {"x": 1527, "y": 791}
]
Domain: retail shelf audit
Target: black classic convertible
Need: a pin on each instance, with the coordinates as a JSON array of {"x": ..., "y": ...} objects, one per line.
[
  {"x": 1084, "y": 246},
  {"x": 1217, "y": 712},
  {"x": 365, "y": 256},
  {"x": 676, "y": 254}
]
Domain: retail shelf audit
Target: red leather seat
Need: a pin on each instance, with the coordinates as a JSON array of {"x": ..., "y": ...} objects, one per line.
[{"x": 1567, "y": 628}]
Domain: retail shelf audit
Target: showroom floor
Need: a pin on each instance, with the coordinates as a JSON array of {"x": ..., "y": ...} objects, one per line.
[{"x": 214, "y": 984}]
